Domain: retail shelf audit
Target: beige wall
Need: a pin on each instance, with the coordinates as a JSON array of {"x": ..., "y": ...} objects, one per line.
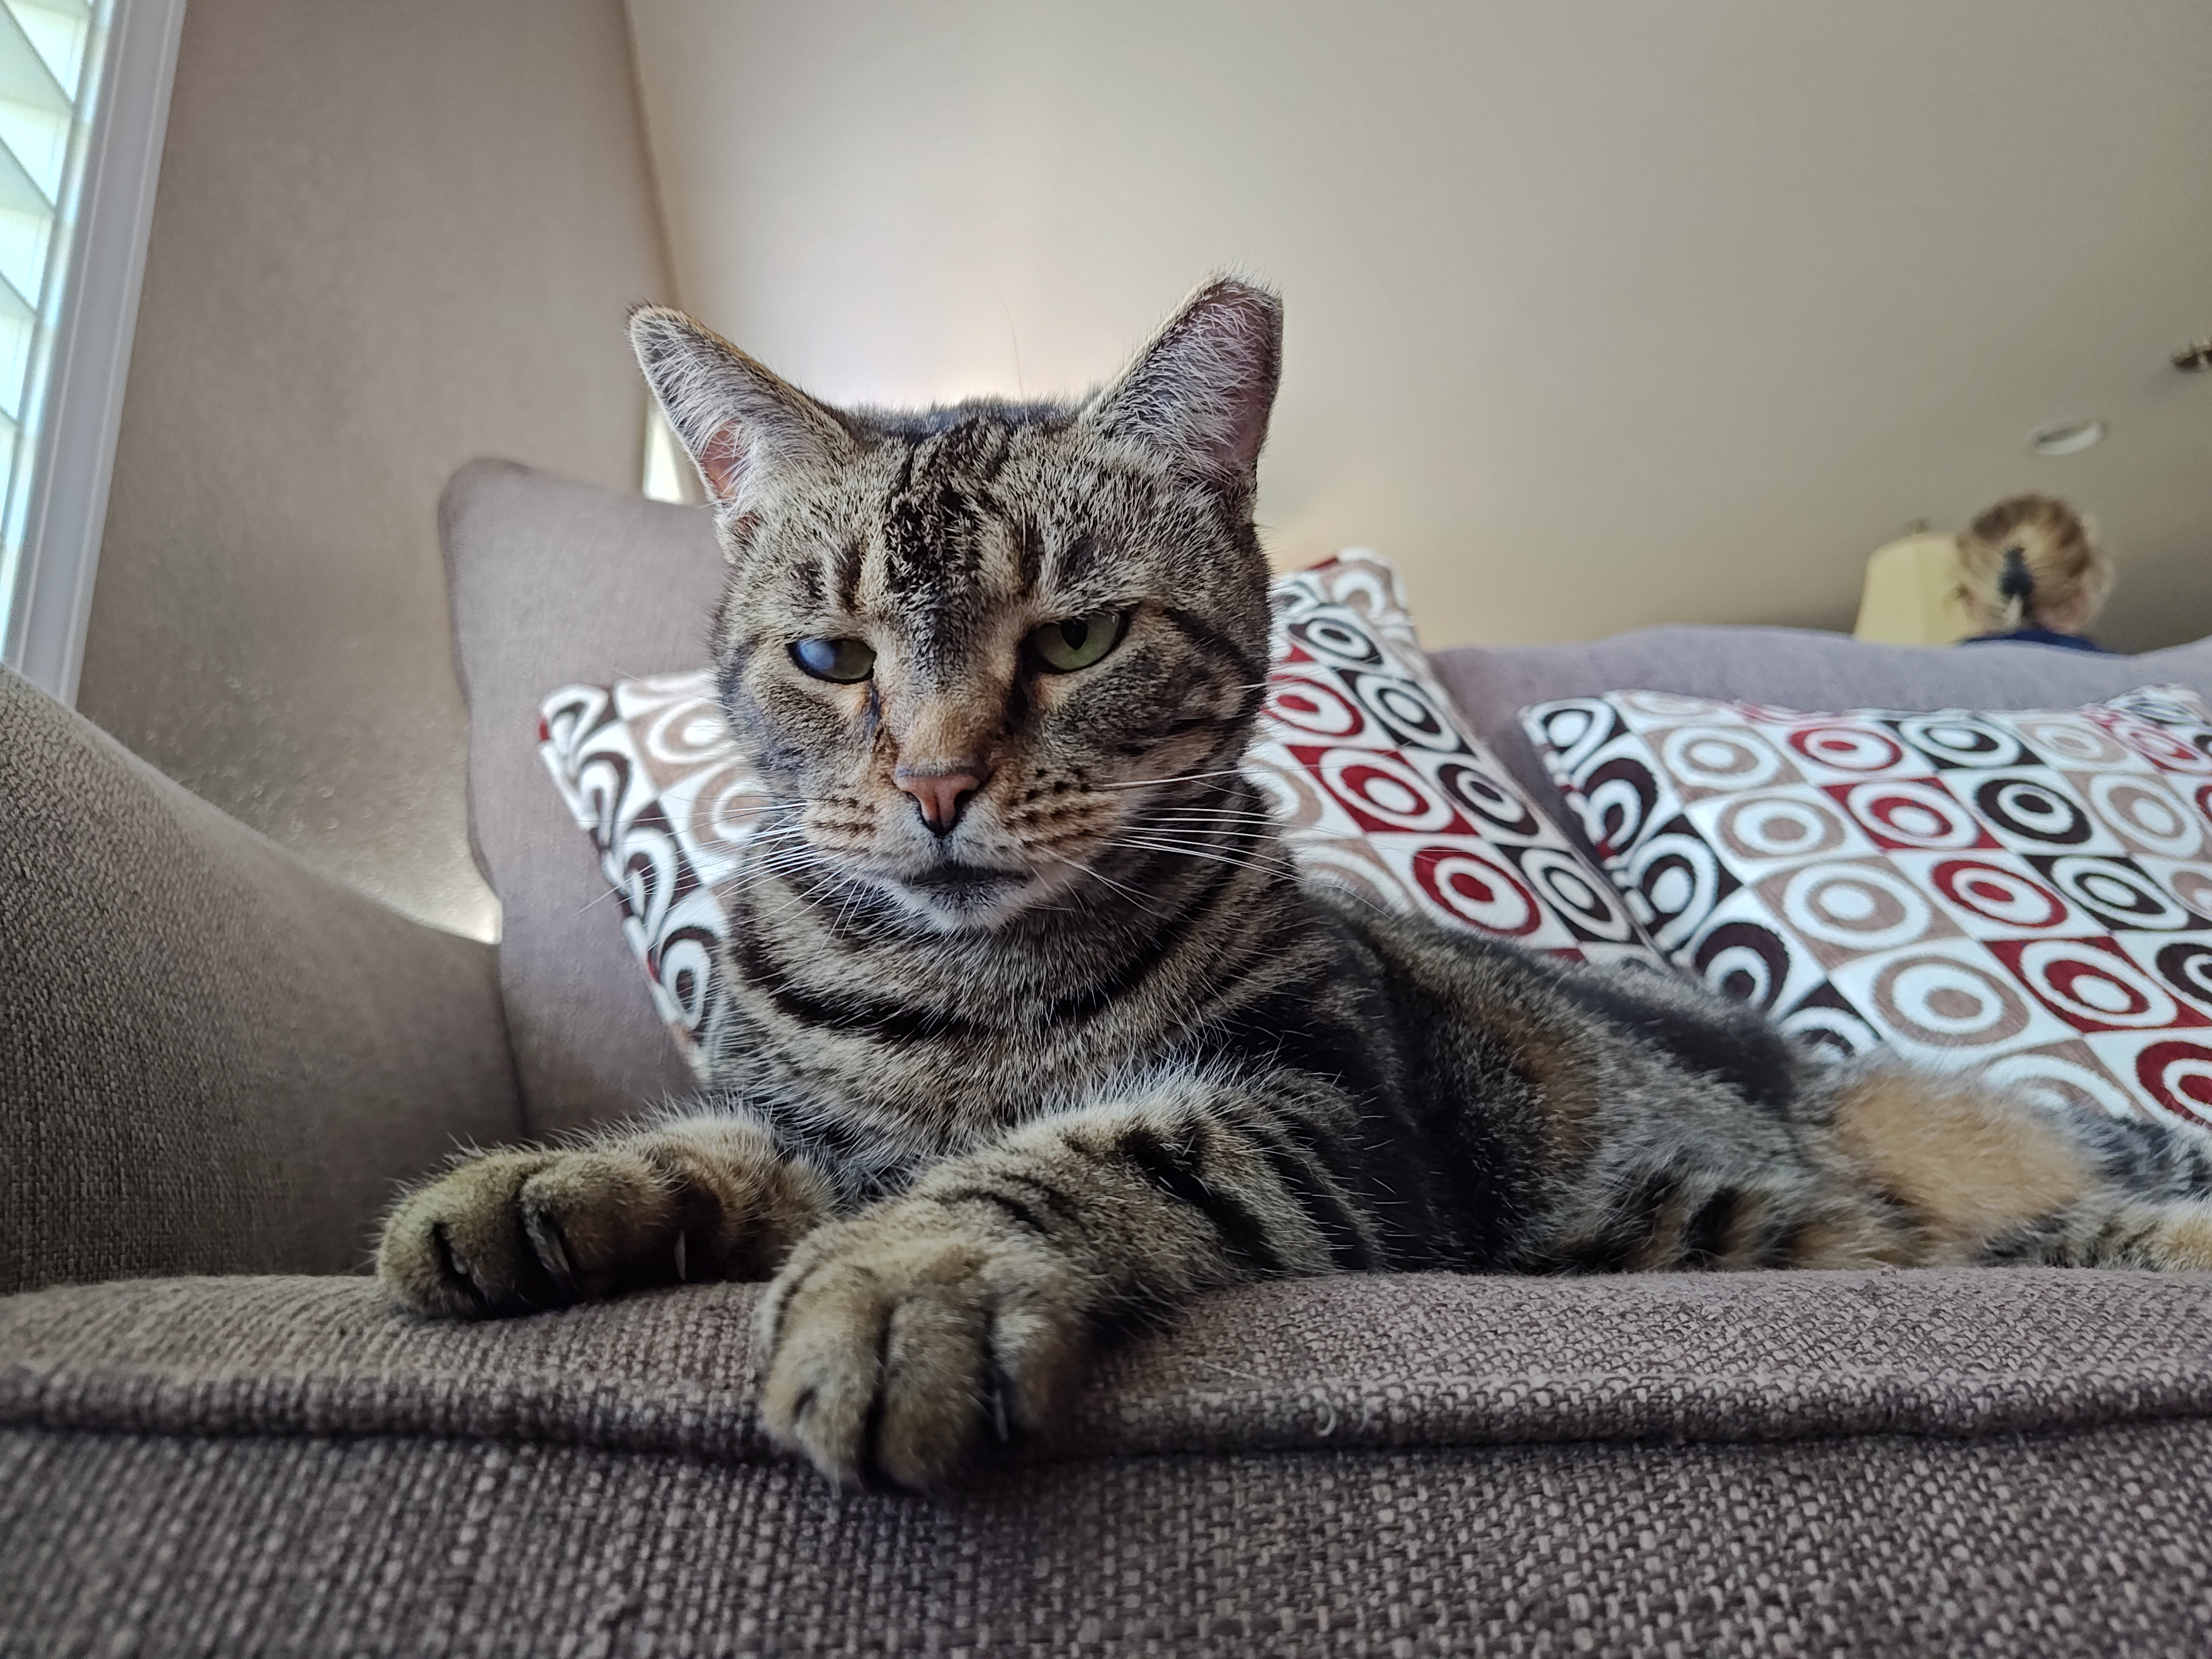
[
  {"x": 390, "y": 235},
  {"x": 1600, "y": 315}
]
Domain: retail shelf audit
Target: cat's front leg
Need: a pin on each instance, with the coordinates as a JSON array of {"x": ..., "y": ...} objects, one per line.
[
  {"x": 903, "y": 1339},
  {"x": 700, "y": 1198}
]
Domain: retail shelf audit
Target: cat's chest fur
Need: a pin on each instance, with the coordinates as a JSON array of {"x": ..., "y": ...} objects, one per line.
[{"x": 889, "y": 1053}]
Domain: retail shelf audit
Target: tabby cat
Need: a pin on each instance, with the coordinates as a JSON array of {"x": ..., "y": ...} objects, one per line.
[{"x": 1032, "y": 1030}]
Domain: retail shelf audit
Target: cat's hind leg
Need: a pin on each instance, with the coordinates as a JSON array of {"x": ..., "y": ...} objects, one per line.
[
  {"x": 702, "y": 1197},
  {"x": 1985, "y": 1175},
  {"x": 2151, "y": 1206},
  {"x": 2112, "y": 1230}
]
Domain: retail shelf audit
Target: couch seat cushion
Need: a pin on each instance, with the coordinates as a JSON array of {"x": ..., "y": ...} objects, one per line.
[{"x": 1408, "y": 1361}]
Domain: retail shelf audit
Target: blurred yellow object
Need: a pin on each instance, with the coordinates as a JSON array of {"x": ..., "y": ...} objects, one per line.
[{"x": 1911, "y": 595}]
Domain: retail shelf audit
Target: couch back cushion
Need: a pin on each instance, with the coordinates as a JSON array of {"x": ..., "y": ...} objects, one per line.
[
  {"x": 554, "y": 582},
  {"x": 1791, "y": 668}
]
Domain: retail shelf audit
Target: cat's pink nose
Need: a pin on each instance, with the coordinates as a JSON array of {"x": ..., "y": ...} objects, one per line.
[{"x": 939, "y": 794}]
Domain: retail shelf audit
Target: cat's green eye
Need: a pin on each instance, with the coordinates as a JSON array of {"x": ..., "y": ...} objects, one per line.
[
  {"x": 844, "y": 660},
  {"x": 1076, "y": 642}
]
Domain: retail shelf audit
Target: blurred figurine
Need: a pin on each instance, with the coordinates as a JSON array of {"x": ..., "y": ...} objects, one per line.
[{"x": 2031, "y": 573}]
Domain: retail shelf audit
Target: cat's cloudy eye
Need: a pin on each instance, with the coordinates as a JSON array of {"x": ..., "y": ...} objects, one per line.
[
  {"x": 1076, "y": 642},
  {"x": 834, "y": 659}
]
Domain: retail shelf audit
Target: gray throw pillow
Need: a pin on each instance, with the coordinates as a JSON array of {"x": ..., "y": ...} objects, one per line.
[{"x": 554, "y": 582}]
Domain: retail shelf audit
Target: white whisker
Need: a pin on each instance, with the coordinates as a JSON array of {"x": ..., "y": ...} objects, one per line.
[
  {"x": 1244, "y": 862},
  {"x": 1175, "y": 777},
  {"x": 1207, "y": 815},
  {"x": 1129, "y": 893}
]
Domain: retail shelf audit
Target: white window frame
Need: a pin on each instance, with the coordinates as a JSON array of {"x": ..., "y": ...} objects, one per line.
[{"x": 75, "y": 456}]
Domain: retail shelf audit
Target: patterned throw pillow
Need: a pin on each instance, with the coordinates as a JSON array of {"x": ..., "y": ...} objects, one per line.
[
  {"x": 648, "y": 771},
  {"x": 1379, "y": 788},
  {"x": 2030, "y": 891}
]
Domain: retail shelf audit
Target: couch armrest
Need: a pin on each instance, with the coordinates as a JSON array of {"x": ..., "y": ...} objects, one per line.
[{"x": 212, "y": 1058}]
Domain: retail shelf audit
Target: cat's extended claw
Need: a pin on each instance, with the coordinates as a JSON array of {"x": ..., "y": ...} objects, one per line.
[
  {"x": 899, "y": 1343},
  {"x": 511, "y": 1232}
]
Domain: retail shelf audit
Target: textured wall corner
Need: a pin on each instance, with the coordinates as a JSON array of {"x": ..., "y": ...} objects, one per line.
[{"x": 388, "y": 239}]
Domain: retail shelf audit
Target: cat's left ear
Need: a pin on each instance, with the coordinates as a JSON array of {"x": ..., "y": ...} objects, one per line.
[
  {"x": 741, "y": 422},
  {"x": 1201, "y": 390}
]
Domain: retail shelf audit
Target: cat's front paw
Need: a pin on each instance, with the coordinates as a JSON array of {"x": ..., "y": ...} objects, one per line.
[
  {"x": 511, "y": 1232},
  {"x": 902, "y": 1341}
]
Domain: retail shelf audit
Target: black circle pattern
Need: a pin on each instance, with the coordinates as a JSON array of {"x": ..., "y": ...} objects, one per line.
[
  {"x": 1337, "y": 639},
  {"x": 2033, "y": 811},
  {"x": 1496, "y": 804},
  {"x": 1745, "y": 961},
  {"x": 2186, "y": 965}
]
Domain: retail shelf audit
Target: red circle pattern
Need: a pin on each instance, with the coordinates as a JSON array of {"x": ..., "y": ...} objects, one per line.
[{"x": 1479, "y": 890}]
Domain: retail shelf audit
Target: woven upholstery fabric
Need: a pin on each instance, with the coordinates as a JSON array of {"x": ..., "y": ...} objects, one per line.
[
  {"x": 1884, "y": 1463},
  {"x": 555, "y": 582},
  {"x": 212, "y": 1059},
  {"x": 2024, "y": 891},
  {"x": 1419, "y": 1359},
  {"x": 1375, "y": 785},
  {"x": 2092, "y": 1542},
  {"x": 1791, "y": 668}
]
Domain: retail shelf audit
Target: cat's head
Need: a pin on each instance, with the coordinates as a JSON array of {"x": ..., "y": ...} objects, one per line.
[{"x": 975, "y": 647}]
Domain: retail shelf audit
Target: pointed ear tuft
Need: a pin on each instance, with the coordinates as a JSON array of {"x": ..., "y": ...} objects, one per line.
[
  {"x": 739, "y": 422},
  {"x": 1202, "y": 390}
]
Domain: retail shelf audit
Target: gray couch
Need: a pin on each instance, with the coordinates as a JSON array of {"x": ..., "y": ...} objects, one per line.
[{"x": 214, "y": 1437}]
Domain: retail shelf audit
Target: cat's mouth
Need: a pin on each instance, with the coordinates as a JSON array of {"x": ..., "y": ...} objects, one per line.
[
  {"x": 954, "y": 876},
  {"x": 964, "y": 887}
]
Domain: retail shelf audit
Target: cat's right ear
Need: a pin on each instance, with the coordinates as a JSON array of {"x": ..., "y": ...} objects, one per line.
[
  {"x": 739, "y": 422},
  {"x": 1201, "y": 390}
]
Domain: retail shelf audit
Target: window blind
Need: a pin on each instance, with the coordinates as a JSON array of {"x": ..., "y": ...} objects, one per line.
[{"x": 50, "y": 62}]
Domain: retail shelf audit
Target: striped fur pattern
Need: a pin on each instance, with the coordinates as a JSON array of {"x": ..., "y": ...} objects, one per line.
[{"x": 1033, "y": 1031}]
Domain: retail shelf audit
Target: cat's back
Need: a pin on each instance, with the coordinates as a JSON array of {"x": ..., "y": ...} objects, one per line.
[{"x": 1469, "y": 1007}]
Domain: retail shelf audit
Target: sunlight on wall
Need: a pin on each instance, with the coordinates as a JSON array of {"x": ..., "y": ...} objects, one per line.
[{"x": 1599, "y": 315}]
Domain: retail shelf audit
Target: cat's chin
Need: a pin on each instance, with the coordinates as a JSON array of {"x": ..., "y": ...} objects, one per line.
[{"x": 961, "y": 898}]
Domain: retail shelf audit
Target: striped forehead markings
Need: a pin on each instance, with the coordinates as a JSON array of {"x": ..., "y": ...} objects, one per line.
[
  {"x": 947, "y": 532},
  {"x": 1028, "y": 545},
  {"x": 1074, "y": 560},
  {"x": 930, "y": 521},
  {"x": 1208, "y": 639},
  {"x": 846, "y": 564}
]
